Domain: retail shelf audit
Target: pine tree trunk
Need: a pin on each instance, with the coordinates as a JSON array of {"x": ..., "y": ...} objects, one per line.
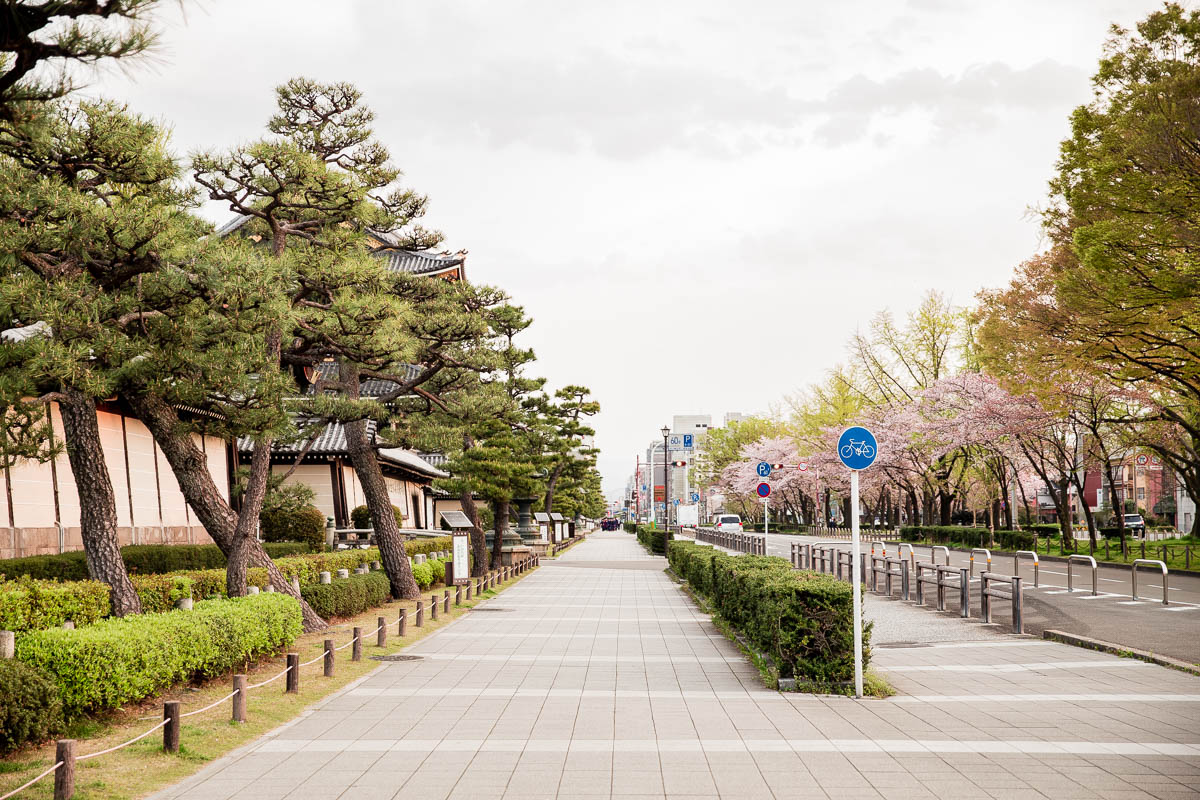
[
  {"x": 190, "y": 467},
  {"x": 548, "y": 506},
  {"x": 479, "y": 553},
  {"x": 97, "y": 503},
  {"x": 366, "y": 465},
  {"x": 244, "y": 533},
  {"x": 500, "y": 507}
]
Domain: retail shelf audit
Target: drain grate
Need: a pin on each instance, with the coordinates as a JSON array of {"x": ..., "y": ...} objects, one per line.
[
  {"x": 488, "y": 608},
  {"x": 396, "y": 657}
]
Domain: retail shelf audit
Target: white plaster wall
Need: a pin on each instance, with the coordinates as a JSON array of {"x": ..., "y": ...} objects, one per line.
[
  {"x": 141, "y": 473},
  {"x": 316, "y": 477}
]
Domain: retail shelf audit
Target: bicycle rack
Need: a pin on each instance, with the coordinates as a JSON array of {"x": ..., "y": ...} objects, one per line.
[
  {"x": 1013, "y": 594},
  {"x": 882, "y": 547},
  {"x": 1071, "y": 559},
  {"x": 975, "y": 550},
  {"x": 912, "y": 555},
  {"x": 945, "y": 551},
  {"x": 1017, "y": 565},
  {"x": 942, "y": 583},
  {"x": 1163, "y": 566}
]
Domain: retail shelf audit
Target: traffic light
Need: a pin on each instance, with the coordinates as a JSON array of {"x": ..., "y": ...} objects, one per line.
[
  {"x": 777, "y": 466},
  {"x": 678, "y": 463}
]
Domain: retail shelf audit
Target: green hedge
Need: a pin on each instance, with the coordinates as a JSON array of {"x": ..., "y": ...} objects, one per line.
[
  {"x": 146, "y": 559},
  {"x": 969, "y": 537},
  {"x": 27, "y": 604},
  {"x": 655, "y": 540},
  {"x": 120, "y": 661},
  {"x": 802, "y": 620},
  {"x": 360, "y": 516},
  {"x": 306, "y": 525},
  {"x": 30, "y": 710},
  {"x": 348, "y": 597}
]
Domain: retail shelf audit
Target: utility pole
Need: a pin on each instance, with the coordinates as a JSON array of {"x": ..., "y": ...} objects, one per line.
[{"x": 666, "y": 432}]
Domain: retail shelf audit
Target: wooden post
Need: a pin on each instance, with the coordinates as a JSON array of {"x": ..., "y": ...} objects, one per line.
[
  {"x": 381, "y": 634},
  {"x": 329, "y": 658},
  {"x": 420, "y": 613},
  {"x": 293, "y": 676},
  {"x": 64, "y": 776},
  {"x": 239, "y": 699},
  {"x": 356, "y": 648},
  {"x": 402, "y": 624},
  {"x": 171, "y": 729},
  {"x": 469, "y": 582},
  {"x": 458, "y": 595},
  {"x": 433, "y": 606},
  {"x": 446, "y": 601}
]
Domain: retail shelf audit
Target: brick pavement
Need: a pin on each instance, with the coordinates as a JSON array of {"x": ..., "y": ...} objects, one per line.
[{"x": 596, "y": 677}]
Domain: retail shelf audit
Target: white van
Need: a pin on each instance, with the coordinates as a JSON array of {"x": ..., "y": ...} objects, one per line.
[{"x": 729, "y": 523}]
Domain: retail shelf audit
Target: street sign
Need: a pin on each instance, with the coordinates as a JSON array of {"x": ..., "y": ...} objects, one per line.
[
  {"x": 644, "y": 487},
  {"x": 687, "y": 441},
  {"x": 695, "y": 497},
  {"x": 857, "y": 448},
  {"x": 675, "y": 501},
  {"x": 764, "y": 490},
  {"x": 763, "y": 469},
  {"x": 802, "y": 466}
]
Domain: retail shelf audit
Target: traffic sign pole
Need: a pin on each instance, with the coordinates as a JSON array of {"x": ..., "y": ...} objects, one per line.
[
  {"x": 766, "y": 515},
  {"x": 854, "y": 581}
]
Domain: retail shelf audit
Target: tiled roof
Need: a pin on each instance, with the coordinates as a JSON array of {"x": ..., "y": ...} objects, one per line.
[
  {"x": 371, "y": 387},
  {"x": 332, "y": 442}
]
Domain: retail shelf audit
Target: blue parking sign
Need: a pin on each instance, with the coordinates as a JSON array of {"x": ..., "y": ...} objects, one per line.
[{"x": 687, "y": 441}]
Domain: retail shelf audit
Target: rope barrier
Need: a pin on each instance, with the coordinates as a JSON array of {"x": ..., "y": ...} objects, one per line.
[
  {"x": 268, "y": 680},
  {"x": 210, "y": 705},
  {"x": 25, "y": 786},
  {"x": 126, "y": 744},
  {"x": 343, "y": 647},
  {"x": 315, "y": 660}
]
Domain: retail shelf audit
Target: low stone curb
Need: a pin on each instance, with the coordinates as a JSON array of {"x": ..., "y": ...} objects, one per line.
[{"x": 1120, "y": 650}]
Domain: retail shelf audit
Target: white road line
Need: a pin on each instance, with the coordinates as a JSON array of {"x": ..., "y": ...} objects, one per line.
[
  {"x": 881, "y": 649},
  {"x": 1095, "y": 664},
  {"x": 1043, "y": 698},
  {"x": 567, "y": 745}
]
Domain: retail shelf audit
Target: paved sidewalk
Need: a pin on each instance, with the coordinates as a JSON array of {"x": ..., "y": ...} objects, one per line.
[{"x": 596, "y": 677}]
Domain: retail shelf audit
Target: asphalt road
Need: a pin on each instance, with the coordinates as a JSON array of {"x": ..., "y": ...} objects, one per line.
[{"x": 1111, "y": 615}]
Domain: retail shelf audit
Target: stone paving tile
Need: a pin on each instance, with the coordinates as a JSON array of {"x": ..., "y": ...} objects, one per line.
[{"x": 600, "y": 679}]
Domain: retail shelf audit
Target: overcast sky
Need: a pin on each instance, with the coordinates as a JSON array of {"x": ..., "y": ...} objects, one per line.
[{"x": 697, "y": 202}]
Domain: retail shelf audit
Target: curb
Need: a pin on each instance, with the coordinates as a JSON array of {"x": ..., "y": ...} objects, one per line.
[{"x": 1120, "y": 650}]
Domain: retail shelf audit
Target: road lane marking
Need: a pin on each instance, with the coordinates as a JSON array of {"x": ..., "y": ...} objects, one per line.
[
  {"x": 1099, "y": 664},
  {"x": 1038, "y": 698}
]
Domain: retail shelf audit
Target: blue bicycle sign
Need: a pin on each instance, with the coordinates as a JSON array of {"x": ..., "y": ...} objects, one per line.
[{"x": 857, "y": 448}]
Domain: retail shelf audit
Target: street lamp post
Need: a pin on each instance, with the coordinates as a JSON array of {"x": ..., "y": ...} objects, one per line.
[{"x": 666, "y": 478}]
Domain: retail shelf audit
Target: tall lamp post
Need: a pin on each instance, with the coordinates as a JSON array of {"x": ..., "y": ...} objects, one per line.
[{"x": 666, "y": 478}]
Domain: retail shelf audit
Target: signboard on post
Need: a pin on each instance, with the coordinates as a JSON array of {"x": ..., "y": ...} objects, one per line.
[
  {"x": 857, "y": 450},
  {"x": 458, "y": 571},
  {"x": 763, "y": 489},
  {"x": 763, "y": 469},
  {"x": 543, "y": 523}
]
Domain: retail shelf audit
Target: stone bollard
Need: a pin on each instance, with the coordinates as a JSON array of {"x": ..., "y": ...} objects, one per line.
[
  {"x": 343, "y": 573},
  {"x": 64, "y": 776},
  {"x": 420, "y": 558},
  {"x": 8, "y": 644},
  {"x": 293, "y": 676},
  {"x": 239, "y": 699},
  {"x": 420, "y": 614},
  {"x": 433, "y": 606},
  {"x": 69, "y": 625},
  {"x": 361, "y": 569},
  {"x": 251, "y": 590},
  {"x": 184, "y": 604},
  {"x": 381, "y": 634},
  {"x": 402, "y": 623},
  {"x": 375, "y": 565},
  {"x": 326, "y": 577},
  {"x": 296, "y": 585},
  {"x": 329, "y": 658},
  {"x": 270, "y": 588},
  {"x": 356, "y": 648}
]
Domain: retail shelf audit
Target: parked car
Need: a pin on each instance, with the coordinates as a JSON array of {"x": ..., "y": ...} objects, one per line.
[
  {"x": 1135, "y": 524},
  {"x": 730, "y": 523}
]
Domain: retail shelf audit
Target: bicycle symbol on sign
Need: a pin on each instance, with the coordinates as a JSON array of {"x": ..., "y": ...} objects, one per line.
[{"x": 863, "y": 449}]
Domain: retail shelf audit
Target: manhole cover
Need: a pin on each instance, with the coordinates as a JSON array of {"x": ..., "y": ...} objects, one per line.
[
  {"x": 903, "y": 645},
  {"x": 397, "y": 657},
  {"x": 486, "y": 608}
]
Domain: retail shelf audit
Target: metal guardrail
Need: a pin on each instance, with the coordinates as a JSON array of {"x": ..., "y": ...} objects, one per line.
[
  {"x": 942, "y": 583},
  {"x": 901, "y": 571},
  {"x": 1163, "y": 566},
  {"x": 975, "y": 550},
  {"x": 1071, "y": 559},
  {"x": 750, "y": 543},
  {"x": 1017, "y": 565},
  {"x": 1013, "y": 594}
]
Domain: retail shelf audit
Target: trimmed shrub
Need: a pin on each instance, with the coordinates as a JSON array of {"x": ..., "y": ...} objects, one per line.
[
  {"x": 803, "y": 620},
  {"x": 146, "y": 559},
  {"x": 348, "y": 597},
  {"x": 970, "y": 537},
  {"x": 27, "y": 604},
  {"x": 439, "y": 570},
  {"x": 423, "y": 574},
  {"x": 123, "y": 660},
  {"x": 428, "y": 545},
  {"x": 159, "y": 592},
  {"x": 655, "y": 540},
  {"x": 360, "y": 517},
  {"x": 30, "y": 709},
  {"x": 306, "y": 525}
]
